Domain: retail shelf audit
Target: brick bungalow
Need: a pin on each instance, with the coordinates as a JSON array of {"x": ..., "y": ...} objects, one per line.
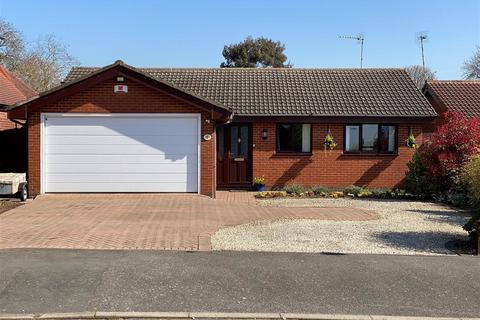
[
  {"x": 461, "y": 96},
  {"x": 13, "y": 137},
  {"x": 123, "y": 129}
]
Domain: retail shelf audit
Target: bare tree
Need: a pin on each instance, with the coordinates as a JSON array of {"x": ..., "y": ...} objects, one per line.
[
  {"x": 42, "y": 64},
  {"x": 471, "y": 67},
  {"x": 12, "y": 45},
  {"x": 420, "y": 75},
  {"x": 46, "y": 64}
]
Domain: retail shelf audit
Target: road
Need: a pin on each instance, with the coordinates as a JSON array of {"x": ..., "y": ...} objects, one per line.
[{"x": 36, "y": 281}]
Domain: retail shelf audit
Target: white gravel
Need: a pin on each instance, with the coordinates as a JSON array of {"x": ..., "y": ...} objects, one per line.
[{"x": 405, "y": 227}]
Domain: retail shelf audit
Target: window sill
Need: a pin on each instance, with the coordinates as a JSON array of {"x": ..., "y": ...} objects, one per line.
[
  {"x": 293, "y": 154},
  {"x": 375, "y": 155}
]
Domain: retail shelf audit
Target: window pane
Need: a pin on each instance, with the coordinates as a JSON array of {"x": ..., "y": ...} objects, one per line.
[
  {"x": 234, "y": 142},
  {"x": 293, "y": 137},
  {"x": 370, "y": 137},
  {"x": 387, "y": 139},
  {"x": 221, "y": 141},
  {"x": 352, "y": 137},
  {"x": 244, "y": 142},
  {"x": 306, "y": 132}
]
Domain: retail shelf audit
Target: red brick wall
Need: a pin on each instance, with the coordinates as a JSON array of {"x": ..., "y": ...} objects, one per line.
[
  {"x": 5, "y": 123},
  {"x": 139, "y": 99},
  {"x": 329, "y": 168}
]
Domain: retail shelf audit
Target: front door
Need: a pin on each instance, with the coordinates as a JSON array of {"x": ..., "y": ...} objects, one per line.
[{"x": 234, "y": 156}]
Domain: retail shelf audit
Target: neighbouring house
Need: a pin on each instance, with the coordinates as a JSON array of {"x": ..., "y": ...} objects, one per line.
[
  {"x": 12, "y": 90},
  {"x": 461, "y": 96},
  {"x": 13, "y": 138},
  {"x": 123, "y": 129}
]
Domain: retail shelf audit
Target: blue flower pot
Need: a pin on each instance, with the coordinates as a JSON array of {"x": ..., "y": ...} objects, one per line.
[{"x": 259, "y": 187}]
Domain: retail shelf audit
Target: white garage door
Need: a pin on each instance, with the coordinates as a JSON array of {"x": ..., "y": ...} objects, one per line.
[{"x": 120, "y": 153}]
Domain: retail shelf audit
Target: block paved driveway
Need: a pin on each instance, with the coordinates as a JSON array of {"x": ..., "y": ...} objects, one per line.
[{"x": 141, "y": 221}]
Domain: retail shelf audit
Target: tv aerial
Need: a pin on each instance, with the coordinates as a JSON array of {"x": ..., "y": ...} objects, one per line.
[{"x": 360, "y": 39}]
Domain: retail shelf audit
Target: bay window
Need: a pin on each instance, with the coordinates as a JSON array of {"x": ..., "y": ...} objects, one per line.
[{"x": 370, "y": 138}]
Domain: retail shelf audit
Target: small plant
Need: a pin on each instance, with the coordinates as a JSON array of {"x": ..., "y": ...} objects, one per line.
[
  {"x": 381, "y": 193},
  {"x": 270, "y": 194},
  {"x": 411, "y": 142},
  {"x": 471, "y": 224},
  {"x": 259, "y": 183},
  {"x": 319, "y": 190},
  {"x": 365, "y": 193},
  {"x": 336, "y": 194},
  {"x": 459, "y": 199},
  {"x": 329, "y": 143},
  {"x": 295, "y": 189},
  {"x": 399, "y": 193},
  {"x": 352, "y": 190}
]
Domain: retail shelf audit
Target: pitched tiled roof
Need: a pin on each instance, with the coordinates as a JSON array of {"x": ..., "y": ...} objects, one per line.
[
  {"x": 13, "y": 90},
  {"x": 457, "y": 95},
  {"x": 291, "y": 91}
]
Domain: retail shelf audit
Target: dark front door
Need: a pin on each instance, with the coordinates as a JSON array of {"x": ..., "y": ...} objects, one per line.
[{"x": 234, "y": 166}]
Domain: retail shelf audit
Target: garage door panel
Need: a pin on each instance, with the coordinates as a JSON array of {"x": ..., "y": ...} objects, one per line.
[
  {"x": 175, "y": 151},
  {"x": 118, "y": 159},
  {"x": 147, "y": 168},
  {"x": 138, "y": 187},
  {"x": 119, "y": 126},
  {"x": 121, "y": 154},
  {"x": 152, "y": 140},
  {"x": 121, "y": 178}
]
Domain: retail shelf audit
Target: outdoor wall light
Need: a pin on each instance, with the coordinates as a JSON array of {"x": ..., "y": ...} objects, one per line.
[{"x": 264, "y": 134}]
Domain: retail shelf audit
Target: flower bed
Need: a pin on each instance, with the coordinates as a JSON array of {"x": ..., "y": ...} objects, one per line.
[{"x": 299, "y": 191}]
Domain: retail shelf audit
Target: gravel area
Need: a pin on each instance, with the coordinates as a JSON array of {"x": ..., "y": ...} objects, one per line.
[{"x": 405, "y": 227}]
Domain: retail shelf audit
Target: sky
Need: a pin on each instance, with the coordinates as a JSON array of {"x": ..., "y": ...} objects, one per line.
[{"x": 192, "y": 33}]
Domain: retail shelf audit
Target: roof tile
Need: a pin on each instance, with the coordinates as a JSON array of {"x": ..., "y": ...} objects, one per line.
[
  {"x": 318, "y": 92},
  {"x": 458, "y": 95},
  {"x": 13, "y": 90}
]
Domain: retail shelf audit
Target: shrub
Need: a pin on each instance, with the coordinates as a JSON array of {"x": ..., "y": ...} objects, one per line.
[
  {"x": 471, "y": 224},
  {"x": 470, "y": 178},
  {"x": 352, "y": 190},
  {"x": 294, "y": 189},
  {"x": 416, "y": 180},
  {"x": 450, "y": 148},
  {"x": 459, "y": 199}
]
